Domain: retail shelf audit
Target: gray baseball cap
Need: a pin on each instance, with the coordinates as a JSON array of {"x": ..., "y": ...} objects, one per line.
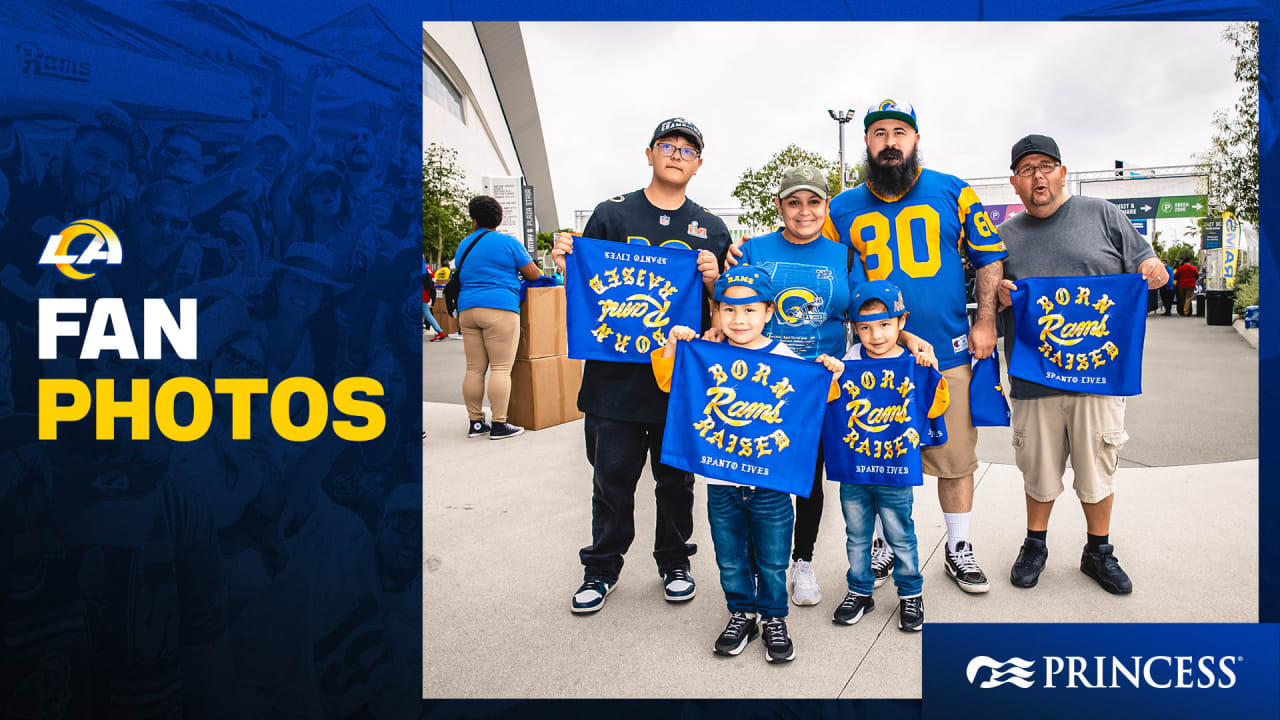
[{"x": 804, "y": 177}]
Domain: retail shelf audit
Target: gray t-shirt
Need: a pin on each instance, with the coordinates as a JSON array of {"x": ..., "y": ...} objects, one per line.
[{"x": 1086, "y": 236}]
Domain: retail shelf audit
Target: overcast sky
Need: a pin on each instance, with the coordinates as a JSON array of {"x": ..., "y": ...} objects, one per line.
[{"x": 1144, "y": 93}]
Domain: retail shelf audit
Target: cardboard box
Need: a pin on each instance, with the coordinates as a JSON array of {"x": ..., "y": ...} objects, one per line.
[
  {"x": 544, "y": 392},
  {"x": 439, "y": 305},
  {"x": 448, "y": 324},
  {"x": 543, "y": 332}
]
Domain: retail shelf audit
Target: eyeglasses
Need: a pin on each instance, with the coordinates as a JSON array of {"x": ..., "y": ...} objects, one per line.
[
  {"x": 171, "y": 223},
  {"x": 1045, "y": 168},
  {"x": 667, "y": 150}
]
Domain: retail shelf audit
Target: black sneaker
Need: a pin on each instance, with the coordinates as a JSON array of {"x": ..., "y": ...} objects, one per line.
[
  {"x": 591, "y": 595},
  {"x": 964, "y": 569},
  {"x": 476, "y": 428},
  {"x": 502, "y": 430},
  {"x": 1103, "y": 567},
  {"x": 742, "y": 629},
  {"x": 677, "y": 585},
  {"x": 911, "y": 613},
  {"x": 777, "y": 643},
  {"x": 881, "y": 561},
  {"x": 852, "y": 608},
  {"x": 1026, "y": 569}
]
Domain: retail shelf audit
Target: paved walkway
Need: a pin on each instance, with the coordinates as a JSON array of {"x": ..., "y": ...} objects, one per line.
[{"x": 504, "y": 521}]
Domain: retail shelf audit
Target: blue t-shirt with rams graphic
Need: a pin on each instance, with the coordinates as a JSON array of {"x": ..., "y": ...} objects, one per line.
[
  {"x": 918, "y": 242},
  {"x": 813, "y": 284}
]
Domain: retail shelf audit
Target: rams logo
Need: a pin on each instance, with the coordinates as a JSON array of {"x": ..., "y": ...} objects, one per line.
[
  {"x": 103, "y": 245},
  {"x": 799, "y": 306}
]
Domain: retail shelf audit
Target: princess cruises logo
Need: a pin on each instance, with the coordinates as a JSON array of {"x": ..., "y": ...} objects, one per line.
[{"x": 1014, "y": 671}]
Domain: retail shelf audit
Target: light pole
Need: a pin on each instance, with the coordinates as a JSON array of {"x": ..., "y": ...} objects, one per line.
[{"x": 842, "y": 117}]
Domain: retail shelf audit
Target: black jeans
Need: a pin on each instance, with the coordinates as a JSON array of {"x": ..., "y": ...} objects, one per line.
[
  {"x": 808, "y": 516},
  {"x": 1166, "y": 299},
  {"x": 616, "y": 450}
]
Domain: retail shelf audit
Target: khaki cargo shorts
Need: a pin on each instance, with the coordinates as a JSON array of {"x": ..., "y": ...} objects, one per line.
[
  {"x": 1089, "y": 429},
  {"x": 958, "y": 456}
]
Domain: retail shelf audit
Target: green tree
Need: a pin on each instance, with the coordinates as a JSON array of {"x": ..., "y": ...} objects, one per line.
[
  {"x": 757, "y": 189},
  {"x": 1232, "y": 162},
  {"x": 547, "y": 239},
  {"x": 444, "y": 200},
  {"x": 1179, "y": 253}
]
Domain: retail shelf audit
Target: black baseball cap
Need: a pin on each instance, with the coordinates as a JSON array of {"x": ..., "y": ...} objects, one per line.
[
  {"x": 678, "y": 126},
  {"x": 1031, "y": 145}
]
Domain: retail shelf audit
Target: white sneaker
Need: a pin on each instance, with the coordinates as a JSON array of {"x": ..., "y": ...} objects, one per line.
[{"x": 804, "y": 584}]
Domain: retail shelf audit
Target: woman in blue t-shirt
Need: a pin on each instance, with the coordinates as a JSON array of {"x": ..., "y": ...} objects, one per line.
[
  {"x": 813, "y": 279},
  {"x": 489, "y": 315}
]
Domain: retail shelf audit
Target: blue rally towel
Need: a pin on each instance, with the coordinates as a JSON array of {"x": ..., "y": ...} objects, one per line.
[
  {"x": 622, "y": 300},
  {"x": 987, "y": 404},
  {"x": 543, "y": 281},
  {"x": 872, "y": 433},
  {"x": 745, "y": 416},
  {"x": 1081, "y": 333}
]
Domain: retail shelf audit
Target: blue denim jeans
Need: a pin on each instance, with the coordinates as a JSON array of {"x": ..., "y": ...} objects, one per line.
[
  {"x": 431, "y": 319},
  {"x": 861, "y": 504},
  {"x": 751, "y": 529}
]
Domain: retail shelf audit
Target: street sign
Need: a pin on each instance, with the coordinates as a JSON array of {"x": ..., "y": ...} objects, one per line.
[
  {"x": 530, "y": 235},
  {"x": 1140, "y": 225},
  {"x": 1211, "y": 235},
  {"x": 1168, "y": 206},
  {"x": 1137, "y": 208}
]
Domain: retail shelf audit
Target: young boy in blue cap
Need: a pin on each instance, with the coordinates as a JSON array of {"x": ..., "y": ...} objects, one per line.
[
  {"x": 750, "y": 526},
  {"x": 883, "y": 487}
]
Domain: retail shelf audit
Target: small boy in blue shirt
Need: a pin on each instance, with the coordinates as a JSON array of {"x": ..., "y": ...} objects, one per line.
[
  {"x": 750, "y": 526},
  {"x": 886, "y": 412}
]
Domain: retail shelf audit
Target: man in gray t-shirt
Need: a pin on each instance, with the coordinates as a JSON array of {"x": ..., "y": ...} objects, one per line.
[{"x": 1063, "y": 235}]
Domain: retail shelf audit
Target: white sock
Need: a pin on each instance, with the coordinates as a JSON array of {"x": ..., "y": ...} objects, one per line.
[
  {"x": 879, "y": 528},
  {"x": 957, "y": 528}
]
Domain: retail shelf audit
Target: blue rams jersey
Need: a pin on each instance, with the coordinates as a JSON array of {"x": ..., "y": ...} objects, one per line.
[
  {"x": 812, "y": 283},
  {"x": 918, "y": 242}
]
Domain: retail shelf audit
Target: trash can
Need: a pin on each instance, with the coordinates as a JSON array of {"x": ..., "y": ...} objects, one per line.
[
  {"x": 1220, "y": 304},
  {"x": 1199, "y": 304},
  {"x": 1251, "y": 316}
]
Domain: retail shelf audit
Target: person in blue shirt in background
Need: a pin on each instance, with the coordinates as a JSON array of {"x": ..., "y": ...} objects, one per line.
[{"x": 489, "y": 315}]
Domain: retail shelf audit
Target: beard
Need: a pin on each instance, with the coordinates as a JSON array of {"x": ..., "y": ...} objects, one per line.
[
  {"x": 892, "y": 180},
  {"x": 358, "y": 159}
]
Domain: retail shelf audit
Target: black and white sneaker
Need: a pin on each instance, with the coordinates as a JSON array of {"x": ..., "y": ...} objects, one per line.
[
  {"x": 881, "y": 560},
  {"x": 911, "y": 613},
  {"x": 777, "y": 643},
  {"x": 964, "y": 569},
  {"x": 503, "y": 430},
  {"x": 742, "y": 629},
  {"x": 852, "y": 609},
  {"x": 476, "y": 428},
  {"x": 591, "y": 595},
  {"x": 677, "y": 585}
]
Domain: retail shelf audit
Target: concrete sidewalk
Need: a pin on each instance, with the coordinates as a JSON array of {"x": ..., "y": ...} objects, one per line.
[{"x": 503, "y": 522}]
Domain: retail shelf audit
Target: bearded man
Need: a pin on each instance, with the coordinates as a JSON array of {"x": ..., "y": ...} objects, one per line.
[{"x": 915, "y": 227}]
